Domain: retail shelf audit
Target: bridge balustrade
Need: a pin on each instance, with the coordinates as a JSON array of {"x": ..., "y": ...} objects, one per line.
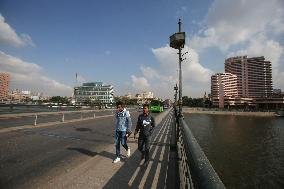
[{"x": 195, "y": 170}]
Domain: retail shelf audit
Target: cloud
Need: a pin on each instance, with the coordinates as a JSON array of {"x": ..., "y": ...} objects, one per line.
[
  {"x": 181, "y": 11},
  {"x": 245, "y": 27},
  {"x": 8, "y": 35},
  {"x": 196, "y": 78},
  {"x": 242, "y": 27},
  {"x": 262, "y": 46},
  {"x": 231, "y": 23},
  {"x": 149, "y": 72},
  {"x": 12, "y": 64},
  {"x": 271, "y": 50},
  {"x": 140, "y": 83},
  {"x": 29, "y": 76}
]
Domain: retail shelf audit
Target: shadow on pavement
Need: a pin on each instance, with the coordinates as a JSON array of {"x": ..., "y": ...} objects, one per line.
[
  {"x": 134, "y": 174},
  {"x": 84, "y": 151},
  {"x": 83, "y": 129},
  {"x": 93, "y": 154},
  {"x": 125, "y": 173}
]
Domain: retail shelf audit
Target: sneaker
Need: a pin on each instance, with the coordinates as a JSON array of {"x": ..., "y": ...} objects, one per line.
[
  {"x": 116, "y": 160},
  {"x": 128, "y": 152}
]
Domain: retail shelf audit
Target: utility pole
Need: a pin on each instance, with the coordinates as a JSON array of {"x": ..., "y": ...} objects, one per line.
[
  {"x": 180, "y": 74},
  {"x": 177, "y": 41},
  {"x": 176, "y": 92}
]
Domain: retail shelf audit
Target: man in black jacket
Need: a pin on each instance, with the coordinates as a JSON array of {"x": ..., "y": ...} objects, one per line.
[{"x": 145, "y": 126}]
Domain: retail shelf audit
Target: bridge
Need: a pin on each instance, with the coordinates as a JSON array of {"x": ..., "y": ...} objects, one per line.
[{"x": 76, "y": 149}]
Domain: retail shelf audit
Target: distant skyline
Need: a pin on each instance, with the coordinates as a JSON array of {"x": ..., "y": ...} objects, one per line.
[{"x": 43, "y": 44}]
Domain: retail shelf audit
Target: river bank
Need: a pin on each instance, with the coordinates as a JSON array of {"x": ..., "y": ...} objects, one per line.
[{"x": 220, "y": 112}]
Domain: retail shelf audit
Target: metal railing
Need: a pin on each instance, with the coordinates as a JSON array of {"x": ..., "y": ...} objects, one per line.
[
  {"x": 89, "y": 113},
  {"x": 195, "y": 170},
  {"x": 53, "y": 117}
]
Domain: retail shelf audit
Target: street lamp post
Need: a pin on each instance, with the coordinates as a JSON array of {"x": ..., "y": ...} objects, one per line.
[
  {"x": 75, "y": 95},
  {"x": 175, "y": 104},
  {"x": 177, "y": 41},
  {"x": 176, "y": 89}
]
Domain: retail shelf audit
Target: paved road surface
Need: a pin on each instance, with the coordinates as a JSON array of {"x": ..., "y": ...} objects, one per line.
[{"x": 29, "y": 154}]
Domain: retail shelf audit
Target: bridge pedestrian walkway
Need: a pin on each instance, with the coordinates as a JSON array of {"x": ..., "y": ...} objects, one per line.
[{"x": 100, "y": 172}]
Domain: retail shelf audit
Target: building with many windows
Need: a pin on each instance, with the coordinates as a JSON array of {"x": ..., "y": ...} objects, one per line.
[
  {"x": 94, "y": 93},
  {"x": 223, "y": 87},
  {"x": 247, "y": 82},
  {"x": 4, "y": 86},
  {"x": 144, "y": 97},
  {"x": 254, "y": 76}
]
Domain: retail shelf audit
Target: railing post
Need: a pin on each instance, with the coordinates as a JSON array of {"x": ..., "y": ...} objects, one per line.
[
  {"x": 11, "y": 107},
  {"x": 35, "y": 122},
  {"x": 94, "y": 115},
  {"x": 62, "y": 117}
]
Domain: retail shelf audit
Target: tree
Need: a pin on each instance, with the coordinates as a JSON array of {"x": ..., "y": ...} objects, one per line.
[
  {"x": 193, "y": 102},
  {"x": 59, "y": 100},
  {"x": 125, "y": 100}
]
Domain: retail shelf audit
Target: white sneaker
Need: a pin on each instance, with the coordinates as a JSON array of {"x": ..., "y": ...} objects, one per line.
[
  {"x": 128, "y": 152},
  {"x": 116, "y": 160}
]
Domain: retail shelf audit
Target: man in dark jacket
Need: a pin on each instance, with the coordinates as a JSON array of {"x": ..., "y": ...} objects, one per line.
[{"x": 145, "y": 126}]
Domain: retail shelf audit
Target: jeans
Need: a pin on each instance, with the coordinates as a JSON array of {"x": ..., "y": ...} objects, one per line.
[
  {"x": 120, "y": 137},
  {"x": 144, "y": 146}
]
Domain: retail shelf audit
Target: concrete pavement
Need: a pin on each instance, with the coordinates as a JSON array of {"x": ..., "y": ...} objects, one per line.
[{"x": 100, "y": 172}]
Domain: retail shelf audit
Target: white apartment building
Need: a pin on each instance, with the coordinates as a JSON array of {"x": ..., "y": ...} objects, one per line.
[
  {"x": 94, "y": 92},
  {"x": 144, "y": 97}
]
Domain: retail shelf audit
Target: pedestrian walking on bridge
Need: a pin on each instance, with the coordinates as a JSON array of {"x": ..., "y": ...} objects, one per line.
[
  {"x": 145, "y": 125},
  {"x": 122, "y": 130}
]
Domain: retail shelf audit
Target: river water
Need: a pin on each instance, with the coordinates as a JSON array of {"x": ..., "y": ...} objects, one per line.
[{"x": 246, "y": 152}]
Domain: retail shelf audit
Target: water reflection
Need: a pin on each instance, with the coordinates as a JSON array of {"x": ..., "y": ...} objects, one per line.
[{"x": 246, "y": 152}]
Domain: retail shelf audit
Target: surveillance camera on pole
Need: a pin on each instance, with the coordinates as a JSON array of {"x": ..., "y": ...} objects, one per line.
[{"x": 177, "y": 41}]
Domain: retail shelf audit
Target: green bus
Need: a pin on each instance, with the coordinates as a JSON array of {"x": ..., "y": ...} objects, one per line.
[{"x": 156, "y": 106}]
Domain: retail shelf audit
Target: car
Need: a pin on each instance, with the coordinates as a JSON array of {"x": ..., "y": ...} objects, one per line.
[
  {"x": 140, "y": 109},
  {"x": 166, "y": 106}
]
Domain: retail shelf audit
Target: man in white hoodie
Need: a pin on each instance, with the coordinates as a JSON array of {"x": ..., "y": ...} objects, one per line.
[{"x": 122, "y": 130}]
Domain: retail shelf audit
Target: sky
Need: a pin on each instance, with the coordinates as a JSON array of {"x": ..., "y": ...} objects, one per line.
[{"x": 125, "y": 43}]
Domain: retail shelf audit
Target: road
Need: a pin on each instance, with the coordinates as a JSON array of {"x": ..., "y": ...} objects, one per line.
[{"x": 29, "y": 154}]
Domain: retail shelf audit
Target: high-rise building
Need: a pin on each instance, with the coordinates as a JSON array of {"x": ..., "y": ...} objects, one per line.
[
  {"x": 223, "y": 86},
  {"x": 94, "y": 92},
  {"x": 4, "y": 85},
  {"x": 254, "y": 76}
]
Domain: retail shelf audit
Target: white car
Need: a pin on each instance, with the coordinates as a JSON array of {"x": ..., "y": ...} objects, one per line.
[{"x": 140, "y": 108}]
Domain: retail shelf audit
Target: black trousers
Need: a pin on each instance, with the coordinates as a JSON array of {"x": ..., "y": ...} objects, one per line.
[{"x": 144, "y": 146}]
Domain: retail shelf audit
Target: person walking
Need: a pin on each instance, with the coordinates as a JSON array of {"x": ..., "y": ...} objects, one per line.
[
  {"x": 145, "y": 125},
  {"x": 122, "y": 130}
]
